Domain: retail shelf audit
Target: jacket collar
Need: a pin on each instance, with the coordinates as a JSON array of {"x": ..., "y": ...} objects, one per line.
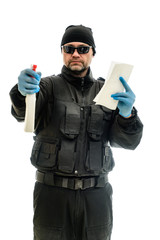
[{"x": 87, "y": 81}]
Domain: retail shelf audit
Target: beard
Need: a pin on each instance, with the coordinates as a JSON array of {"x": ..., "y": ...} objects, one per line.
[
  {"x": 78, "y": 72},
  {"x": 75, "y": 70}
]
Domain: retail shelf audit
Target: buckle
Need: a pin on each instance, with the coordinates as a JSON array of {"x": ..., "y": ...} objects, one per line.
[{"x": 78, "y": 184}]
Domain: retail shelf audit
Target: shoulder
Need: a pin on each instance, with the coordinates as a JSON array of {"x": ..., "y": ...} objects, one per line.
[
  {"x": 100, "y": 79},
  {"x": 50, "y": 80}
]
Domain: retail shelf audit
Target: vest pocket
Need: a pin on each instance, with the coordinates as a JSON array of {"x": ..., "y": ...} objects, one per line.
[
  {"x": 44, "y": 155},
  {"x": 99, "y": 157},
  {"x": 69, "y": 128},
  {"x": 95, "y": 123},
  {"x": 108, "y": 161},
  {"x": 95, "y": 131},
  {"x": 66, "y": 156},
  {"x": 94, "y": 158},
  {"x": 70, "y": 124}
]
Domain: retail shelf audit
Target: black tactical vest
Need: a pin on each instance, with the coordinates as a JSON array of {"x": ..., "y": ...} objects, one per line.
[{"x": 75, "y": 140}]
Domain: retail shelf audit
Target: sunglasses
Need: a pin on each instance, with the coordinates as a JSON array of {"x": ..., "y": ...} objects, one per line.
[{"x": 80, "y": 50}]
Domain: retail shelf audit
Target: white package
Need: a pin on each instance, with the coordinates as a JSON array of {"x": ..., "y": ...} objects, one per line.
[{"x": 113, "y": 85}]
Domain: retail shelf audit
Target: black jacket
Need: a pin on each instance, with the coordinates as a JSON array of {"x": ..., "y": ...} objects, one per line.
[{"x": 73, "y": 135}]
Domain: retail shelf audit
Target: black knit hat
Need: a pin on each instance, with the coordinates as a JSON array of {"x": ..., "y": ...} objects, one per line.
[{"x": 79, "y": 33}]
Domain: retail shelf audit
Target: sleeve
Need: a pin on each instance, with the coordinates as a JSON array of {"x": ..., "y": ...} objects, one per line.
[
  {"x": 126, "y": 132},
  {"x": 42, "y": 99}
]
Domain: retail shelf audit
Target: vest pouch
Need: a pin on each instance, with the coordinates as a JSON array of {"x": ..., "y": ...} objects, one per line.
[
  {"x": 44, "y": 155},
  {"x": 95, "y": 124},
  {"x": 95, "y": 130},
  {"x": 94, "y": 158},
  {"x": 66, "y": 156},
  {"x": 70, "y": 125},
  {"x": 107, "y": 113},
  {"x": 108, "y": 160}
]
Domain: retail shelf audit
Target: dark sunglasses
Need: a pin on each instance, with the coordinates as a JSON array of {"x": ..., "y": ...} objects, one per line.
[{"x": 80, "y": 50}]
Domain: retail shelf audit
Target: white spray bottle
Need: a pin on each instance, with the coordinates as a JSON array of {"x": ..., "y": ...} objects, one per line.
[{"x": 29, "y": 122}]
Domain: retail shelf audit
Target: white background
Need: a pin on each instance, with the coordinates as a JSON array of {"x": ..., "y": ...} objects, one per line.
[{"x": 125, "y": 31}]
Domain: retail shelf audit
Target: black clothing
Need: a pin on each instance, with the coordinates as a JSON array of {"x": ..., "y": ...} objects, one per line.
[
  {"x": 73, "y": 138},
  {"x": 66, "y": 214},
  {"x": 72, "y": 133}
]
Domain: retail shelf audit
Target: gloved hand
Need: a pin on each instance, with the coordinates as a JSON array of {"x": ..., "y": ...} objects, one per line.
[
  {"x": 126, "y": 99},
  {"x": 28, "y": 82}
]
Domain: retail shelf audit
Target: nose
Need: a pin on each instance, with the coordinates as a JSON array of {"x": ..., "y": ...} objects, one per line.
[{"x": 75, "y": 54}]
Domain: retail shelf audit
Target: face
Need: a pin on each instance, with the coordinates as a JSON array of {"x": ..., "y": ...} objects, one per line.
[{"x": 78, "y": 63}]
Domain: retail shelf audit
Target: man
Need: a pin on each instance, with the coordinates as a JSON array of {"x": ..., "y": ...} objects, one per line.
[{"x": 72, "y": 195}]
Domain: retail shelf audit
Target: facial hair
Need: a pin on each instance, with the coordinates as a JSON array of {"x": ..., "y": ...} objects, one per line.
[{"x": 77, "y": 72}]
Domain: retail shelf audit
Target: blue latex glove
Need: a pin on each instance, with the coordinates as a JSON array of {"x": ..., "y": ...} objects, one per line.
[
  {"x": 28, "y": 82},
  {"x": 126, "y": 99}
]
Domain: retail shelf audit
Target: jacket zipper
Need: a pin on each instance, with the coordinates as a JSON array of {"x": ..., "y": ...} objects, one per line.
[
  {"x": 82, "y": 89},
  {"x": 82, "y": 116}
]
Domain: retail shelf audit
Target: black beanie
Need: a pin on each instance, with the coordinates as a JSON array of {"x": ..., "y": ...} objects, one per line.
[{"x": 79, "y": 33}]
